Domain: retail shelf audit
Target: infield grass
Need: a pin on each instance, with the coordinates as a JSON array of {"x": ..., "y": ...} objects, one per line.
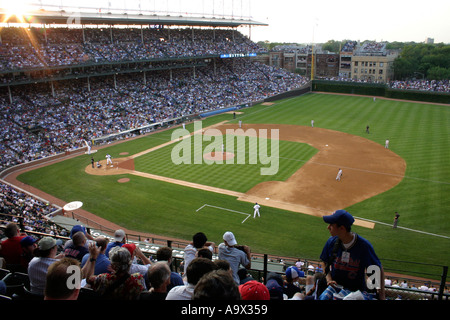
[{"x": 418, "y": 132}]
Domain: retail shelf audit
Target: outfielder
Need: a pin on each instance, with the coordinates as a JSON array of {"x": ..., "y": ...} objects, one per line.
[{"x": 256, "y": 210}]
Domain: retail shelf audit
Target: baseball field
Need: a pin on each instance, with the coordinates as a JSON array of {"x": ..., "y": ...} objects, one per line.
[{"x": 146, "y": 191}]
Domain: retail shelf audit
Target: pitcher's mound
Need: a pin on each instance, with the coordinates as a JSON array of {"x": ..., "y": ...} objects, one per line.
[{"x": 214, "y": 156}]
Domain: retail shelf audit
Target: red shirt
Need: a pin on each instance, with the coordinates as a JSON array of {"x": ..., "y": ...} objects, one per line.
[{"x": 11, "y": 250}]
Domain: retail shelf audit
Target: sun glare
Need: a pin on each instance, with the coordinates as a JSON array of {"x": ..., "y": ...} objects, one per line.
[{"x": 15, "y": 8}]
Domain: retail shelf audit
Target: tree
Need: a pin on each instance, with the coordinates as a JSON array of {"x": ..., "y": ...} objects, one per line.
[{"x": 428, "y": 59}]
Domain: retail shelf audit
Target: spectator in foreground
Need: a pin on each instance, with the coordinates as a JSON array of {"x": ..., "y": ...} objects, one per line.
[
  {"x": 234, "y": 254},
  {"x": 217, "y": 285},
  {"x": 59, "y": 276},
  {"x": 165, "y": 254},
  {"x": 344, "y": 248},
  {"x": 159, "y": 279},
  {"x": 45, "y": 255},
  {"x": 254, "y": 290},
  {"x": 77, "y": 249},
  {"x": 119, "y": 284},
  {"x": 10, "y": 249},
  {"x": 102, "y": 264},
  {"x": 28, "y": 244},
  {"x": 195, "y": 271},
  {"x": 119, "y": 240},
  {"x": 291, "y": 286},
  {"x": 199, "y": 241}
]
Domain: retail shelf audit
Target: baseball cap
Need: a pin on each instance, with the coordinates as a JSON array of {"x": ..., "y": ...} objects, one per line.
[
  {"x": 130, "y": 247},
  {"x": 229, "y": 238},
  {"x": 293, "y": 272},
  {"x": 119, "y": 235},
  {"x": 46, "y": 243},
  {"x": 76, "y": 229},
  {"x": 27, "y": 241},
  {"x": 340, "y": 217},
  {"x": 254, "y": 290},
  {"x": 275, "y": 290}
]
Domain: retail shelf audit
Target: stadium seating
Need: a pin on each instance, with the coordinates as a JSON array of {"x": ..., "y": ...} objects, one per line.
[{"x": 41, "y": 121}]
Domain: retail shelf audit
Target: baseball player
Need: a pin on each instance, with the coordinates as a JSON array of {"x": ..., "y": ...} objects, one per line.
[
  {"x": 108, "y": 159},
  {"x": 256, "y": 210},
  {"x": 339, "y": 175},
  {"x": 386, "y": 144},
  {"x": 240, "y": 123},
  {"x": 88, "y": 147},
  {"x": 312, "y": 123}
]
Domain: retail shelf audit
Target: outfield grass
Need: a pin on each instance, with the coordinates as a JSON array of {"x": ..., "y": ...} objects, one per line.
[{"x": 418, "y": 133}]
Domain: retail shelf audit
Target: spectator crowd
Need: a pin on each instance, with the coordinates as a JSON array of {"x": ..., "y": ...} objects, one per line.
[
  {"x": 52, "y": 47},
  {"x": 113, "y": 268},
  {"x": 422, "y": 85}
]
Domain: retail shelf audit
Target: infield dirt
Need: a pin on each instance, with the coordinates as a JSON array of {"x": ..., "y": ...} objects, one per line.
[{"x": 368, "y": 169}]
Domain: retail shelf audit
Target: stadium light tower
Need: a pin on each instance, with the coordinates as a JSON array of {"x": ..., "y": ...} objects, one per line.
[{"x": 315, "y": 24}]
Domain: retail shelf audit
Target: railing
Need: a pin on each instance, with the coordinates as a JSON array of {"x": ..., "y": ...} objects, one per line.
[{"x": 263, "y": 264}]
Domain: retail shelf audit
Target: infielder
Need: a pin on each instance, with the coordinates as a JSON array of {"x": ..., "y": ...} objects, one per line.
[
  {"x": 339, "y": 175},
  {"x": 108, "y": 159},
  {"x": 312, "y": 123},
  {"x": 256, "y": 210},
  {"x": 386, "y": 144},
  {"x": 240, "y": 123}
]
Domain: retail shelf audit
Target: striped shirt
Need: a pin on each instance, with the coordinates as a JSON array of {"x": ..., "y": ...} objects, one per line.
[{"x": 37, "y": 272}]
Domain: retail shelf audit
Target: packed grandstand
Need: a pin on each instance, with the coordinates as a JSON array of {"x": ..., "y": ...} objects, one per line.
[
  {"x": 60, "y": 87},
  {"x": 75, "y": 110}
]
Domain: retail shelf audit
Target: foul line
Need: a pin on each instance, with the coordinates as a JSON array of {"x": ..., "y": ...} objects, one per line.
[
  {"x": 408, "y": 229},
  {"x": 220, "y": 208}
]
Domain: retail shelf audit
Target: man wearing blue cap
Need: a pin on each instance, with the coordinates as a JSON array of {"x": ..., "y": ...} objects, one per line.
[
  {"x": 346, "y": 256},
  {"x": 291, "y": 287}
]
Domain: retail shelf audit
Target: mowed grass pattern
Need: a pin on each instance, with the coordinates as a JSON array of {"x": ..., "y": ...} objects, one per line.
[
  {"x": 418, "y": 132},
  {"x": 238, "y": 174}
]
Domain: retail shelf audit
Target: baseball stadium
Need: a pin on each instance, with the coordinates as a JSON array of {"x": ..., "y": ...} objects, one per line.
[{"x": 165, "y": 126}]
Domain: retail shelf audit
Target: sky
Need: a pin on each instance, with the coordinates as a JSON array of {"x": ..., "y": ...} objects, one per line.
[{"x": 301, "y": 21}]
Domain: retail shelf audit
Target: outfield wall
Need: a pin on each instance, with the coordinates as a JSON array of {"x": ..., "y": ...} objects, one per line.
[
  {"x": 292, "y": 93},
  {"x": 379, "y": 90}
]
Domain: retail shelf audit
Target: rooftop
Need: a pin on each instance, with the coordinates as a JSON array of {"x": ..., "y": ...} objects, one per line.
[{"x": 109, "y": 16}]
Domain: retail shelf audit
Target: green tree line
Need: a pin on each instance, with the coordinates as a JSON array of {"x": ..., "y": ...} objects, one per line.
[{"x": 423, "y": 61}]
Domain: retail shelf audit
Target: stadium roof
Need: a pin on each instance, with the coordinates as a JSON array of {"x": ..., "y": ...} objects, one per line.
[{"x": 105, "y": 16}]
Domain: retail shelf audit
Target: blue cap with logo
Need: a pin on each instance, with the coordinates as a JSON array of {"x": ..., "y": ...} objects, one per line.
[{"x": 340, "y": 217}]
